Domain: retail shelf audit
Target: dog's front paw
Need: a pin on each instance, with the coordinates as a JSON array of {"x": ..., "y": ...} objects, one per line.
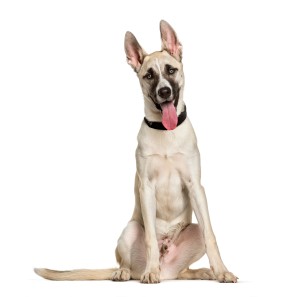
[
  {"x": 121, "y": 275},
  {"x": 150, "y": 278},
  {"x": 226, "y": 277}
]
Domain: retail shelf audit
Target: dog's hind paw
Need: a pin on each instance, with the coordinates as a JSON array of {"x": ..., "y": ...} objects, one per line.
[
  {"x": 121, "y": 275},
  {"x": 227, "y": 277},
  {"x": 150, "y": 278}
]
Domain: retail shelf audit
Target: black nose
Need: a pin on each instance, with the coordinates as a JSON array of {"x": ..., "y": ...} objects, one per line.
[{"x": 164, "y": 92}]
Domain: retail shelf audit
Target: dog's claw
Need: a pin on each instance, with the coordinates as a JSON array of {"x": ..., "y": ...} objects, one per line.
[{"x": 150, "y": 278}]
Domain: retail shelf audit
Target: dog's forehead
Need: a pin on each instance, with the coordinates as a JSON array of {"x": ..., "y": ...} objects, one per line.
[{"x": 159, "y": 60}]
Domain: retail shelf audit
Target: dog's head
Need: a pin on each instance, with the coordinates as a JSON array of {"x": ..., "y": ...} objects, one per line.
[{"x": 160, "y": 74}]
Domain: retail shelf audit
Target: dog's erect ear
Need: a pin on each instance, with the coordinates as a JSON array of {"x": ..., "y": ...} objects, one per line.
[
  {"x": 169, "y": 40},
  {"x": 134, "y": 52}
]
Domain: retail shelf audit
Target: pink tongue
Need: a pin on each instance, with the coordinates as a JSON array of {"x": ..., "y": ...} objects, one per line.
[{"x": 169, "y": 116}]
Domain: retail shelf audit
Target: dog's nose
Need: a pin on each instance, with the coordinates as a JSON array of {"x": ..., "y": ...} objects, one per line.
[{"x": 164, "y": 92}]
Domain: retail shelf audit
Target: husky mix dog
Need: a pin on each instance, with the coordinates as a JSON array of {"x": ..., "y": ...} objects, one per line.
[{"x": 160, "y": 241}]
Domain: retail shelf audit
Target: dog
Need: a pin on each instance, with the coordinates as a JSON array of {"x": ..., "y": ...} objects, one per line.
[{"x": 160, "y": 241}]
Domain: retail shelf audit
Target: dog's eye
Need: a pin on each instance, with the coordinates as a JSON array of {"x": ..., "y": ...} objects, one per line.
[
  {"x": 172, "y": 70},
  {"x": 148, "y": 76}
]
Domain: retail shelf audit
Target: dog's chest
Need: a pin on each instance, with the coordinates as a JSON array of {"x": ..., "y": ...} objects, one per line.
[{"x": 167, "y": 175}]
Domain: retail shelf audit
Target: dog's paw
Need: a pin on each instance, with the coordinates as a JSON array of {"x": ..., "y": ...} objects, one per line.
[
  {"x": 227, "y": 277},
  {"x": 150, "y": 278},
  {"x": 206, "y": 274},
  {"x": 121, "y": 275}
]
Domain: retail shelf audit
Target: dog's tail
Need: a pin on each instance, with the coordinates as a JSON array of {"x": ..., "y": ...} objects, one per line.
[{"x": 78, "y": 274}]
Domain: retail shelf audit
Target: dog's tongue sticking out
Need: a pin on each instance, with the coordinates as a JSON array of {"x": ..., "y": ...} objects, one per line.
[{"x": 169, "y": 116}]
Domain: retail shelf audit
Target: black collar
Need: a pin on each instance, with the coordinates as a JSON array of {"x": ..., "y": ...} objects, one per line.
[{"x": 160, "y": 126}]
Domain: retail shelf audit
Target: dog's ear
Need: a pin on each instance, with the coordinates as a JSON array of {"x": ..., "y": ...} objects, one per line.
[
  {"x": 169, "y": 40},
  {"x": 134, "y": 52}
]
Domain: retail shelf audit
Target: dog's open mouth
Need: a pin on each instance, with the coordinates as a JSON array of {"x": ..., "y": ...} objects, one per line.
[{"x": 169, "y": 115}]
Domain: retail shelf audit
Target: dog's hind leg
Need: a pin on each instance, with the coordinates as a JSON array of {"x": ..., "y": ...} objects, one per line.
[
  {"x": 186, "y": 249},
  {"x": 130, "y": 253}
]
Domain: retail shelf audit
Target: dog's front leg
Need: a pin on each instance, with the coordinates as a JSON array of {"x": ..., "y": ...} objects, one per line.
[
  {"x": 148, "y": 208},
  {"x": 199, "y": 204}
]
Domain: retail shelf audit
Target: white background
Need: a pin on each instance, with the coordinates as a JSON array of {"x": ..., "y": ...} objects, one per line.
[{"x": 70, "y": 109}]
